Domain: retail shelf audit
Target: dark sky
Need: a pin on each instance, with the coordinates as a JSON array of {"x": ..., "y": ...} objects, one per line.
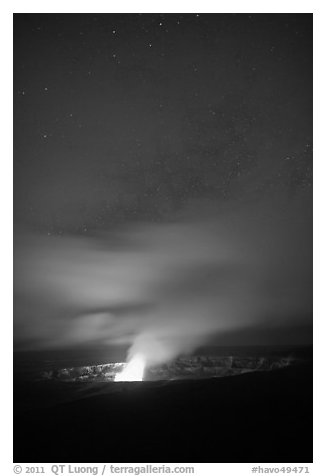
[{"x": 124, "y": 123}]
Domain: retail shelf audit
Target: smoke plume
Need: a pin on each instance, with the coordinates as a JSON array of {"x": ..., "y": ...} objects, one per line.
[{"x": 164, "y": 289}]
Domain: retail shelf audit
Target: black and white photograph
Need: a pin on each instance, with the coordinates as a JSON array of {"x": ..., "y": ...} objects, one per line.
[{"x": 163, "y": 238}]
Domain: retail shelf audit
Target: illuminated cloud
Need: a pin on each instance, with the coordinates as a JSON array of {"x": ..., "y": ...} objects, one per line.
[{"x": 168, "y": 288}]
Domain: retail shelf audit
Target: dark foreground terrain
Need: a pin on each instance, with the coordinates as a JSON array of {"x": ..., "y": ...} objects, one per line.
[{"x": 253, "y": 417}]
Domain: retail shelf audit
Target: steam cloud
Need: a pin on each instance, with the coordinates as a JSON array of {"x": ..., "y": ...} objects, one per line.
[{"x": 166, "y": 288}]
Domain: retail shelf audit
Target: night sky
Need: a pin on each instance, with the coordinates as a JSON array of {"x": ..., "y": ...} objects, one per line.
[{"x": 162, "y": 163}]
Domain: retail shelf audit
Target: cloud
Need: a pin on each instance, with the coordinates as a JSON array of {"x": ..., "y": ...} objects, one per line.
[{"x": 167, "y": 288}]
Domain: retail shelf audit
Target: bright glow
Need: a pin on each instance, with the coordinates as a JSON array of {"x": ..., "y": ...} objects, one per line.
[{"x": 133, "y": 371}]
